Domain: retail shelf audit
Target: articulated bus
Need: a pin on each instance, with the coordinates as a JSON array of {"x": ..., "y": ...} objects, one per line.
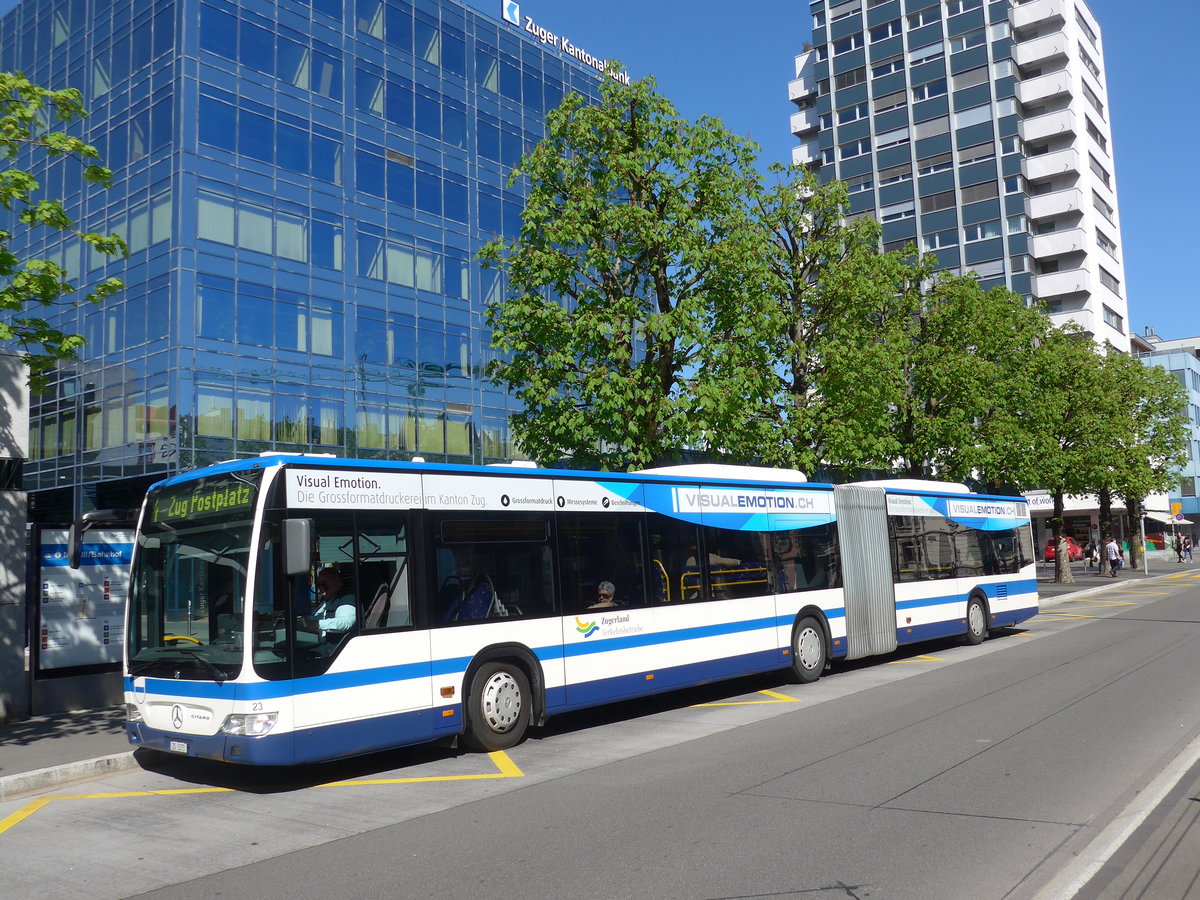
[{"x": 475, "y": 601}]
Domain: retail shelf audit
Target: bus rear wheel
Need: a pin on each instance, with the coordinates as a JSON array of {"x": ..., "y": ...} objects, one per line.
[
  {"x": 497, "y": 707},
  {"x": 977, "y": 619},
  {"x": 809, "y": 650}
]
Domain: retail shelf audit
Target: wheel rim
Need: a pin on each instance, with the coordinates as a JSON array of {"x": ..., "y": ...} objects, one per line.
[
  {"x": 501, "y": 702},
  {"x": 975, "y": 618},
  {"x": 808, "y": 648}
]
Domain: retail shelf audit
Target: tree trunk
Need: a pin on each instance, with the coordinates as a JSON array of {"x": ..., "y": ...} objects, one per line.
[
  {"x": 1062, "y": 559},
  {"x": 1106, "y": 527}
]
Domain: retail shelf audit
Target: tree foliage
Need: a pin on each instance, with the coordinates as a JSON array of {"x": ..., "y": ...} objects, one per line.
[
  {"x": 632, "y": 326},
  {"x": 33, "y": 288}
]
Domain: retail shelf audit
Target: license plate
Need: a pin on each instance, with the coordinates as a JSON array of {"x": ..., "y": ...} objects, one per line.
[{"x": 179, "y": 747}]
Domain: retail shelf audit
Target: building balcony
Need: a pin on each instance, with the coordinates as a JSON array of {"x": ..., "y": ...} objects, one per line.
[
  {"x": 806, "y": 154},
  {"x": 1058, "y": 243},
  {"x": 1048, "y": 12},
  {"x": 1040, "y": 49},
  {"x": 1060, "y": 162},
  {"x": 1058, "y": 284},
  {"x": 1034, "y": 90},
  {"x": 804, "y": 121},
  {"x": 1058, "y": 203},
  {"x": 805, "y": 84},
  {"x": 1048, "y": 125}
]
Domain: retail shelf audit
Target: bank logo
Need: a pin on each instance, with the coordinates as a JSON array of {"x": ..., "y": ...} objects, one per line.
[
  {"x": 587, "y": 629},
  {"x": 511, "y": 11}
]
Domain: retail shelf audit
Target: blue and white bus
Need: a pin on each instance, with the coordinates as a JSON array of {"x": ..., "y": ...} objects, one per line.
[{"x": 484, "y": 599}]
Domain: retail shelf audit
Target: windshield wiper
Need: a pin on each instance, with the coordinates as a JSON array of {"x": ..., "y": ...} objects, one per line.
[{"x": 194, "y": 653}]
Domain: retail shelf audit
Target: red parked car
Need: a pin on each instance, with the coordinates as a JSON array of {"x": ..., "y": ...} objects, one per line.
[{"x": 1074, "y": 551}]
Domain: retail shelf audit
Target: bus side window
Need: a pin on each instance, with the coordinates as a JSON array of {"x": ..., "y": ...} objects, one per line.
[
  {"x": 596, "y": 547},
  {"x": 675, "y": 572}
]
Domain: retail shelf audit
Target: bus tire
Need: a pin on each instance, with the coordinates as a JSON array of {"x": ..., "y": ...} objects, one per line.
[
  {"x": 977, "y": 621},
  {"x": 810, "y": 650},
  {"x": 498, "y": 707}
]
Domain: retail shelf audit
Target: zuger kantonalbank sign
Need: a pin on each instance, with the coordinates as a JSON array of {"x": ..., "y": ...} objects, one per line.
[{"x": 512, "y": 13}]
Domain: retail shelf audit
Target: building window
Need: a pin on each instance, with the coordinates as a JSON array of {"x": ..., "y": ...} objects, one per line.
[
  {"x": 1014, "y": 184},
  {"x": 1085, "y": 27},
  {"x": 940, "y": 239},
  {"x": 966, "y": 41},
  {"x": 976, "y": 153},
  {"x": 932, "y": 127},
  {"x": 890, "y": 101},
  {"x": 1106, "y": 243},
  {"x": 971, "y": 77},
  {"x": 851, "y": 78},
  {"x": 852, "y": 113},
  {"x": 844, "y": 10},
  {"x": 846, "y": 44},
  {"x": 895, "y": 174},
  {"x": 1102, "y": 206},
  {"x": 976, "y": 192},
  {"x": 1099, "y": 171},
  {"x": 1018, "y": 224},
  {"x": 941, "y": 163},
  {"x": 1088, "y": 62},
  {"x": 1109, "y": 281},
  {"x": 954, "y": 7},
  {"x": 1093, "y": 99},
  {"x": 854, "y": 148},
  {"x": 897, "y": 212},
  {"x": 859, "y": 183},
  {"x": 926, "y": 53},
  {"x": 935, "y": 202},
  {"x": 925, "y": 17},
  {"x": 1095, "y": 134},
  {"x": 976, "y": 115},
  {"x": 982, "y": 231},
  {"x": 1113, "y": 320},
  {"x": 888, "y": 66},
  {"x": 929, "y": 89},
  {"x": 1187, "y": 487},
  {"x": 885, "y": 31},
  {"x": 892, "y": 138}
]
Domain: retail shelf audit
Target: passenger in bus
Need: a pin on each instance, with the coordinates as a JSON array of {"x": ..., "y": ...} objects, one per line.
[
  {"x": 606, "y": 596},
  {"x": 337, "y": 611}
]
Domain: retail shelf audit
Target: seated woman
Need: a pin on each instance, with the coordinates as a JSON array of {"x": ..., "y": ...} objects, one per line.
[{"x": 606, "y": 593}]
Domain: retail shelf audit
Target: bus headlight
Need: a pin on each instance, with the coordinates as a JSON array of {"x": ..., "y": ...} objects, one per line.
[
  {"x": 132, "y": 713},
  {"x": 249, "y": 724}
]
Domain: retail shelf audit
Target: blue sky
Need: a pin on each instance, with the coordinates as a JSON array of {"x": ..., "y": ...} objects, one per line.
[{"x": 734, "y": 61}]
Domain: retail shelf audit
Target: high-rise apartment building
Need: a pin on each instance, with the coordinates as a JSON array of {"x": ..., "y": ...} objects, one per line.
[
  {"x": 979, "y": 130},
  {"x": 303, "y": 186}
]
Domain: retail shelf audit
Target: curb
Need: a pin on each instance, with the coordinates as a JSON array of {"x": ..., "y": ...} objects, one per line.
[{"x": 23, "y": 783}]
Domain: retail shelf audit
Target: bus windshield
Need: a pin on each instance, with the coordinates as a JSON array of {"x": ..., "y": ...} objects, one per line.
[{"x": 188, "y": 586}]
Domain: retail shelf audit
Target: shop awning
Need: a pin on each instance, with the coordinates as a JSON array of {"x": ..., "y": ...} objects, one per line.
[{"x": 1167, "y": 518}]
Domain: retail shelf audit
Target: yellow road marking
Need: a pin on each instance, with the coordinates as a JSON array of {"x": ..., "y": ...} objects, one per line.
[
  {"x": 505, "y": 768},
  {"x": 1066, "y": 616},
  {"x": 1106, "y": 602},
  {"x": 896, "y": 662},
  {"x": 778, "y": 698}
]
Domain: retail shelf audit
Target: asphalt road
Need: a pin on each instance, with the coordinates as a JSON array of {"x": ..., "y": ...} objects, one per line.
[{"x": 942, "y": 772}]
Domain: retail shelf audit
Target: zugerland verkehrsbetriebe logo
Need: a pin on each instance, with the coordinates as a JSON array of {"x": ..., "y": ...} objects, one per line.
[{"x": 511, "y": 11}]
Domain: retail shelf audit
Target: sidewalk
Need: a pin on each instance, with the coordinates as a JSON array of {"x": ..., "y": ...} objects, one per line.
[{"x": 46, "y": 752}]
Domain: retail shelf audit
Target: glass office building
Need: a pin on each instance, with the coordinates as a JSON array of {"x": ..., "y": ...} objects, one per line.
[
  {"x": 303, "y": 186},
  {"x": 977, "y": 130}
]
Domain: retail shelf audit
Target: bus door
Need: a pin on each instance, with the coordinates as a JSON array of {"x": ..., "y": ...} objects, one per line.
[{"x": 868, "y": 586}]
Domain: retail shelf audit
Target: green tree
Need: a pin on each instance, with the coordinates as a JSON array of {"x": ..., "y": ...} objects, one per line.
[
  {"x": 1148, "y": 405},
  {"x": 33, "y": 288},
  {"x": 831, "y": 288},
  {"x": 632, "y": 325}
]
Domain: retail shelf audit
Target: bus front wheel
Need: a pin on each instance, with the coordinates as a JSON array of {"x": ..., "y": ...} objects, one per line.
[
  {"x": 498, "y": 707},
  {"x": 809, "y": 650}
]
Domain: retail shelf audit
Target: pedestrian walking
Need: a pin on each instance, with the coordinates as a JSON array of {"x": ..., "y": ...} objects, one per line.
[
  {"x": 1187, "y": 547},
  {"x": 1113, "y": 551},
  {"x": 1178, "y": 547}
]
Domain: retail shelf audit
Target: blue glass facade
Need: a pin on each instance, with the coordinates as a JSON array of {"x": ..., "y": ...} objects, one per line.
[{"x": 303, "y": 186}]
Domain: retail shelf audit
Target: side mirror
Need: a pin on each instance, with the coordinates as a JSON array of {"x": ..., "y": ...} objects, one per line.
[
  {"x": 82, "y": 524},
  {"x": 297, "y": 546}
]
